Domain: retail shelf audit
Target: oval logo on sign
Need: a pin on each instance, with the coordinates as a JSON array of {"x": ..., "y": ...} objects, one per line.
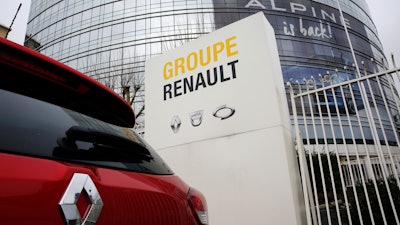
[{"x": 223, "y": 112}]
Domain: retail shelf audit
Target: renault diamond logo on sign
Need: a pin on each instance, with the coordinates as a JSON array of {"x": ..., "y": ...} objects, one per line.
[
  {"x": 81, "y": 184},
  {"x": 175, "y": 124}
]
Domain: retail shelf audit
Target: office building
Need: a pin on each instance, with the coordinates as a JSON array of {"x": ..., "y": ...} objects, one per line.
[{"x": 110, "y": 40}]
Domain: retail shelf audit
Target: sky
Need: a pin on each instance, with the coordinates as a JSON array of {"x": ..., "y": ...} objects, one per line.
[
  {"x": 384, "y": 13},
  {"x": 386, "y": 16}
]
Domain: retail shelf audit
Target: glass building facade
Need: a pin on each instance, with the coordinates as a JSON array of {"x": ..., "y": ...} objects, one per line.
[{"x": 110, "y": 40}]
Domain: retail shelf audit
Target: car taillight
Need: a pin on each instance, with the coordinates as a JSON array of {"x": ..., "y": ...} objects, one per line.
[{"x": 198, "y": 205}]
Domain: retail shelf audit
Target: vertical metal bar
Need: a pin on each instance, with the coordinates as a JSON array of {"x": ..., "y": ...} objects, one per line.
[
  {"x": 300, "y": 150},
  {"x": 394, "y": 130},
  {"x": 326, "y": 145},
  {"x": 319, "y": 157},
  {"x": 310, "y": 155},
  {"x": 352, "y": 96},
  {"x": 351, "y": 167},
  {"x": 363, "y": 92},
  {"x": 348, "y": 38},
  {"x": 345, "y": 147},
  {"x": 396, "y": 100},
  {"x": 381, "y": 157},
  {"x": 377, "y": 113},
  {"x": 312, "y": 202}
]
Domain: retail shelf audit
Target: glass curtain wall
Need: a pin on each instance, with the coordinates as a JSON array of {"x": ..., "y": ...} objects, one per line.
[{"x": 110, "y": 40}]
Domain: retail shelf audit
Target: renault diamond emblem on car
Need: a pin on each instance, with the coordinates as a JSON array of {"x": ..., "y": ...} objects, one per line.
[{"x": 81, "y": 184}]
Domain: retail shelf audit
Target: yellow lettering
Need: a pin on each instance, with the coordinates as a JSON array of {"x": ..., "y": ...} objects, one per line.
[
  {"x": 192, "y": 59},
  {"x": 202, "y": 56},
  {"x": 179, "y": 63},
  {"x": 208, "y": 57},
  {"x": 230, "y": 45},
  {"x": 167, "y": 70},
  {"x": 217, "y": 48}
]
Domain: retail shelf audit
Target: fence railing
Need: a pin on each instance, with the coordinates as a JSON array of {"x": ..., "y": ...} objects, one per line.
[{"x": 347, "y": 138}]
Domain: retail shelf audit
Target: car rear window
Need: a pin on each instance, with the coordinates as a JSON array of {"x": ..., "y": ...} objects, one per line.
[{"x": 35, "y": 128}]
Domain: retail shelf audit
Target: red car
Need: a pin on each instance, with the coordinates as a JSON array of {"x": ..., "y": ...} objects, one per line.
[{"x": 68, "y": 154}]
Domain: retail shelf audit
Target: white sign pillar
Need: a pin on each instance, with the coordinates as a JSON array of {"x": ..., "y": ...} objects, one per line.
[{"x": 216, "y": 111}]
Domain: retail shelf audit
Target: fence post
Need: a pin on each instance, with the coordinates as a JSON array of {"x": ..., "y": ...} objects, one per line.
[{"x": 305, "y": 179}]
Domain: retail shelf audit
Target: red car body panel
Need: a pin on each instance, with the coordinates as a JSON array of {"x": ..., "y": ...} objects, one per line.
[
  {"x": 73, "y": 89},
  {"x": 31, "y": 189},
  {"x": 35, "y": 178}
]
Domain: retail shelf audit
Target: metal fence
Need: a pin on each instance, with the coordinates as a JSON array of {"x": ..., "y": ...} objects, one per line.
[{"x": 347, "y": 139}]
